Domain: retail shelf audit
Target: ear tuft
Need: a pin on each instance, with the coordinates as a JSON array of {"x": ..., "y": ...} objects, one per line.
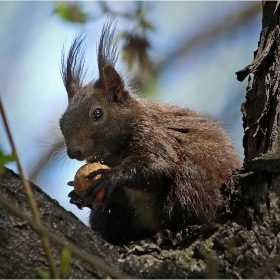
[
  {"x": 72, "y": 69},
  {"x": 107, "y": 49},
  {"x": 109, "y": 79}
]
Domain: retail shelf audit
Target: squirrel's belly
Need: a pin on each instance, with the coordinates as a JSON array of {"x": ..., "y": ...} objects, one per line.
[{"x": 144, "y": 205}]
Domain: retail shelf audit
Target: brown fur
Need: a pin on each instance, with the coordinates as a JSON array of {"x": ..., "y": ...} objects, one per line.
[{"x": 167, "y": 163}]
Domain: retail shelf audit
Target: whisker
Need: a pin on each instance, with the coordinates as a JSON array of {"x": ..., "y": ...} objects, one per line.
[
  {"x": 57, "y": 154},
  {"x": 54, "y": 156},
  {"x": 46, "y": 143}
]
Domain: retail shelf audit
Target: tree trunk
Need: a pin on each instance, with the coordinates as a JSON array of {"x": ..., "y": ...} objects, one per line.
[
  {"x": 243, "y": 243},
  {"x": 261, "y": 109}
]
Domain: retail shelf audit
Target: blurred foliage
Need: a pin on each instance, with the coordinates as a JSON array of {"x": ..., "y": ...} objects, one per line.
[
  {"x": 135, "y": 51},
  {"x": 65, "y": 261},
  {"x": 43, "y": 274},
  {"x": 4, "y": 159},
  {"x": 71, "y": 12}
]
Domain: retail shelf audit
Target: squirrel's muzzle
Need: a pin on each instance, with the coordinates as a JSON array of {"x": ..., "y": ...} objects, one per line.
[{"x": 75, "y": 153}]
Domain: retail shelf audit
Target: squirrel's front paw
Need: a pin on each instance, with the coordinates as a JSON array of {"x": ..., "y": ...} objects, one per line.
[
  {"x": 75, "y": 199},
  {"x": 99, "y": 190}
]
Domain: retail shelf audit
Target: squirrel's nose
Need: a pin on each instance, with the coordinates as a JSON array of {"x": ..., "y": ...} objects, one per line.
[{"x": 74, "y": 153}]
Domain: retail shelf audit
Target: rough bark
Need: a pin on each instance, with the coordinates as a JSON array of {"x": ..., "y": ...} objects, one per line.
[
  {"x": 244, "y": 240},
  {"x": 261, "y": 109},
  {"x": 21, "y": 252}
]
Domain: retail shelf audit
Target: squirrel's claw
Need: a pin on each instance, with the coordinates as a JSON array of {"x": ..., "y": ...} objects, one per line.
[
  {"x": 96, "y": 172},
  {"x": 89, "y": 195},
  {"x": 75, "y": 199}
]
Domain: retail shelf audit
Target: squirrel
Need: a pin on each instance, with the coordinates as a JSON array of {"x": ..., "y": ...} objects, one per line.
[{"x": 167, "y": 163}]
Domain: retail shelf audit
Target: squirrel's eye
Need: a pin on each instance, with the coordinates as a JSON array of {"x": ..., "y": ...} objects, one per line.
[{"x": 97, "y": 113}]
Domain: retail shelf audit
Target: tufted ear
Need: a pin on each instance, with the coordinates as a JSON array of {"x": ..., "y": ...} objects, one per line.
[{"x": 111, "y": 81}]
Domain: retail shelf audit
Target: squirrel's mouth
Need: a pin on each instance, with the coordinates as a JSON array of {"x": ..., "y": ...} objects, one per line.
[
  {"x": 93, "y": 158},
  {"x": 104, "y": 158},
  {"x": 96, "y": 158}
]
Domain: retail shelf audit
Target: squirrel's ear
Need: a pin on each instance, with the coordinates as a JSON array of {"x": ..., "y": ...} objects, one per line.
[
  {"x": 112, "y": 82},
  {"x": 72, "y": 88}
]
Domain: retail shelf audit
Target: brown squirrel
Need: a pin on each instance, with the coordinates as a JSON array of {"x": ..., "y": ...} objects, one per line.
[{"x": 167, "y": 163}]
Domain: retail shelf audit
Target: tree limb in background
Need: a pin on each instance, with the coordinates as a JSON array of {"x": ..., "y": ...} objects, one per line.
[{"x": 231, "y": 24}]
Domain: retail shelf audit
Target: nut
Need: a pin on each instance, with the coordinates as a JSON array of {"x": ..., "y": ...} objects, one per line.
[{"x": 81, "y": 184}]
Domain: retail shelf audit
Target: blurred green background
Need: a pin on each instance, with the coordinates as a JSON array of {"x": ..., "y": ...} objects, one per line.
[{"x": 183, "y": 53}]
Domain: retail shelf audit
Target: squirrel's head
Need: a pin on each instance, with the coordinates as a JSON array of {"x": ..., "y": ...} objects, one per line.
[{"x": 94, "y": 125}]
